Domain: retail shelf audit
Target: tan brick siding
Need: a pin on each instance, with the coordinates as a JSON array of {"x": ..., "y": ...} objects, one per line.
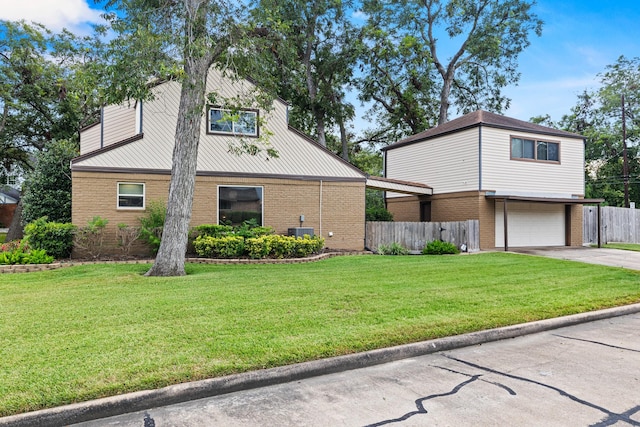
[
  {"x": 576, "y": 225},
  {"x": 404, "y": 208},
  {"x": 284, "y": 200}
]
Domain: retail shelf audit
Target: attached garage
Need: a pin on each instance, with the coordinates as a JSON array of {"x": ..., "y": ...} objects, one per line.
[
  {"x": 522, "y": 221},
  {"x": 531, "y": 224}
]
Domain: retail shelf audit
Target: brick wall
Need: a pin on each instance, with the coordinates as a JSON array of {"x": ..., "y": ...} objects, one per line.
[
  {"x": 6, "y": 214},
  {"x": 406, "y": 209},
  {"x": 337, "y": 209}
]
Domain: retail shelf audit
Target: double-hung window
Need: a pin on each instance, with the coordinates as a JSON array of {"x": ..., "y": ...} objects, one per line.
[
  {"x": 130, "y": 195},
  {"x": 530, "y": 149},
  {"x": 241, "y": 122}
]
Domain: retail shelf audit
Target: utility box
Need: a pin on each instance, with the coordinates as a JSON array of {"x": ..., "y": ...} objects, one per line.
[{"x": 300, "y": 231}]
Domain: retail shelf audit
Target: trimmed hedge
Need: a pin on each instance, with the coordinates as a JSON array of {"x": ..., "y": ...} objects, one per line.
[{"x": 270, "y": 245}]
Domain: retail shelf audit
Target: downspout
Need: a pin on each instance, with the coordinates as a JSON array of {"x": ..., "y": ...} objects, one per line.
[
  {"x": 102, "y": 127},
  {"x": 320, "y": 208}
]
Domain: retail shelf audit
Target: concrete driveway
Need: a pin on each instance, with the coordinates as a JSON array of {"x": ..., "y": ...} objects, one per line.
[
  {"x": 602, "y": 256},
  {"x": 583, "y": 375}
]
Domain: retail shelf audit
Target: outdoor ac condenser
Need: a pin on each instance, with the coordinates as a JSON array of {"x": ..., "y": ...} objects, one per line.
[{"x": 300, "y": 231}]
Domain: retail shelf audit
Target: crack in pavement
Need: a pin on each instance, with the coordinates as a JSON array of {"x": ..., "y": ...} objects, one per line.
[
  {"x": 612, "y": 416},
  {"x": 420, "y": 406},
  {"x": 420, "y": 402},
  {"x": 597, "y": 342}
]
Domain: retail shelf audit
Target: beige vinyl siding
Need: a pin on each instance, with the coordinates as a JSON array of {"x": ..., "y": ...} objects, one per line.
[
  {"x": 118, "y": 123},
  {"x": 297, "y": 155},
  {"x": 90, "y": 139},
  {"x": 500, "y": 172},
  {"x": 447, "y": 164}
]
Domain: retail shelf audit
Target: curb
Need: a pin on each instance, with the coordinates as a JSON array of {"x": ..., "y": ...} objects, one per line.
[{"x": 147, "y": 399}]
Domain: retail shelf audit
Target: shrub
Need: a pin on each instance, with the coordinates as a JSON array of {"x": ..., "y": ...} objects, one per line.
[
  {"x": 53, "y": 237},
  {"x": 152, "y": 224},
  {"x": 378, "y": 214},
  {"x": 91, "y": 237},
  {"x": 393, "y": 249},
  {"x": 438, "y": 247},
  {"x": 305, "y": 246},
  {"x": 126, "y": 236},
  {"x": 211, "y": 230},
  {"x": 258, "y": 247},
  {"x": 219, "y": 247},
  {"x": 18, "y": 252}
]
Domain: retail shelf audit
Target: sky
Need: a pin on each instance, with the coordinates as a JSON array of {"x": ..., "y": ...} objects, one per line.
[{"x": 579, "y": 39}]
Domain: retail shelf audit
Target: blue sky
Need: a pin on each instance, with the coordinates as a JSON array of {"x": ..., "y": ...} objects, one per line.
[{"x": 579, "y": 39}]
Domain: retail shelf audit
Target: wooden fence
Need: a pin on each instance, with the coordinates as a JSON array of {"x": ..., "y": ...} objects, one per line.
[
  {"x": 415, "y": 235},
  {"x": 617, "y": 225}
]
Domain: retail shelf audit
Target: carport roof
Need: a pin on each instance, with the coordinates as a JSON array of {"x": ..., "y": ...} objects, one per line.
[
  {"x": 562, "y": 200},
  {"x": 398, "y": 186}
]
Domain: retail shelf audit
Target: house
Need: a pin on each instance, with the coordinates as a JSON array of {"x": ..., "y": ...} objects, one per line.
[
  {"x": 524, "y": 182},
  {"x": 125, "y": 163},
  {"x": 9, "y": 198}
]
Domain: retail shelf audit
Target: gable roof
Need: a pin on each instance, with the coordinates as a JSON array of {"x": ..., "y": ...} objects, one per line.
[{"x": 482, "y": 118}]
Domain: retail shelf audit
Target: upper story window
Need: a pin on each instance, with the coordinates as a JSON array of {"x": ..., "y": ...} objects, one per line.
[
  {"x": 242, "y": 123},
  {"x": 530, "y": 149},
  {"x": 130, "y": 195}
]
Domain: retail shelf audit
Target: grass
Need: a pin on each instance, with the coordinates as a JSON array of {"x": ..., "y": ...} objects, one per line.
[
  {"x": 624, "y": 246},
  {"x": 3, "y": 237},
  {"x": 85, "y": 332}
]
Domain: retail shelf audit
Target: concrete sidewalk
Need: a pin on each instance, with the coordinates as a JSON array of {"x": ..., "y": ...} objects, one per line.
[
  {"x": 144, "y": 400},
  {"x": 601, "y": 256}
]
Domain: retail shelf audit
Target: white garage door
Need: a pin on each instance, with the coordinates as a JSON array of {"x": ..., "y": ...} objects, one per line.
[{"x": 531, "y": 224}]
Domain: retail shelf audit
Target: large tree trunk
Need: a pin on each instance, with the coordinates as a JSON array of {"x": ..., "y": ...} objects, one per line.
[
  {"x": 16, "y": 230},
  {"x": 171, "y": 254}
]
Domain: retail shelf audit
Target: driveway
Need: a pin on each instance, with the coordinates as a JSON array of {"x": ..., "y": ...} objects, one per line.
[
  {"x": 602, "y": 256},
  {"x": 583, "y": 375}
]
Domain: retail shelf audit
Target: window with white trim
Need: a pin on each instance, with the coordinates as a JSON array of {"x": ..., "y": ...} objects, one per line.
[
  {"x": 228, "y": 122},
  {"x": 237, "y": 204},
  {"x": 131, "y": 195},
  {"x": 530, "y": 149}
]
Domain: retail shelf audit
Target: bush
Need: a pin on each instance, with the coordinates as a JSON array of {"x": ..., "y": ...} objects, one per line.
[
  {"x": 378, "y": 214},
  {"x": 152, "y": 224},
  {"x": 438, "y": 247},
  {"x": 18, "y": 252},
  {"x": 53, "y": 237},
  {"x": 258, "y": 247},
  {"x": 393, "y": 249},
  {"x": 126, "y": 236},
  {"x": 91, "y": 237},
  {"x": 219, "y": 247}
]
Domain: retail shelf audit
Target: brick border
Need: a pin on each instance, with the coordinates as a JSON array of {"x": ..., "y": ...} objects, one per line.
[{"x": 30, "y": 268}]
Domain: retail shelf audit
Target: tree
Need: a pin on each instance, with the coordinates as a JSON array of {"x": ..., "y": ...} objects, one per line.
[
  {"x": 48, "y": 188},
  {"x": 407, "y": 64},
  {"x": 598, "y": 116},
  {"x": 314, "y": 49},
  {"x": 150, "y": 34},
  {"x": 46, "y": 89}
]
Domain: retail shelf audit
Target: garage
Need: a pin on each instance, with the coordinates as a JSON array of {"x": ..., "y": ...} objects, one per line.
[{"x": 531, "y": 224}]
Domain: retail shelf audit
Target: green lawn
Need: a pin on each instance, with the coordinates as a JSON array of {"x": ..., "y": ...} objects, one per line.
[
  {"x": 3, "y": 236},
  {"x": 85, "y": 332},
  {"x": 624, "y": 246}
]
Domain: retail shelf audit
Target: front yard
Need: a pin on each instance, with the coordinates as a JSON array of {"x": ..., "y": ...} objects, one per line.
[{"x": 85, "y": 332}]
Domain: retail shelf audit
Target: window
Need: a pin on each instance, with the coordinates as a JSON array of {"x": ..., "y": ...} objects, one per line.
[
  {"x": 244, "y": 122},
  {"x": 130, "y": 195},
  {"x": 239, "y": 204},
  {"x": 522, "y": 148}
]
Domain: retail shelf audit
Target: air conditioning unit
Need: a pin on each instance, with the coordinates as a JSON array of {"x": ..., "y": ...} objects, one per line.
[{"x": 300, "y": 231}]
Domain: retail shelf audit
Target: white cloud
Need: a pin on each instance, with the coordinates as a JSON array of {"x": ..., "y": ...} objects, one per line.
[{"x": 54, "y": 14}]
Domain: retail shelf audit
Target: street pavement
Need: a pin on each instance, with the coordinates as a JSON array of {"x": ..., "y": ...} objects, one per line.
[
  {"x": 601, "y": 256},
  {"x": 583, "y": 375}
]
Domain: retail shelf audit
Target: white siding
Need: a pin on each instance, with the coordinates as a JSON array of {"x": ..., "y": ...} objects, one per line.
[
  {"x": 119, "y": 123},
  {"x": 500, "y": 173},
  {"x": 90, "y": 139},
  {"x": 448, "y": 163},
  {"x": 297, "y": 155}
]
